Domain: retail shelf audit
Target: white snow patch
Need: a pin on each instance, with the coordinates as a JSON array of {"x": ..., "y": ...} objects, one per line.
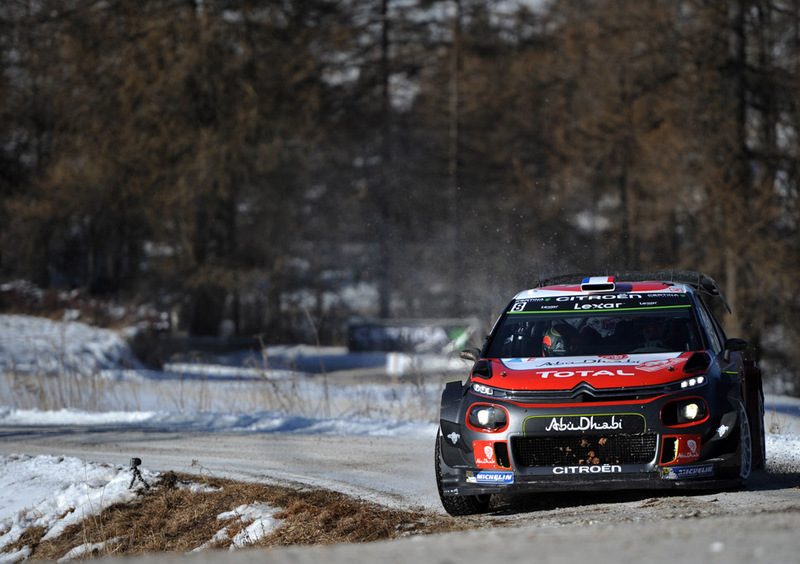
[
  {"x": 37, "y": 345},
  {"x": 88, "y": 548},
  {"x": 55, "y": 492},
  {"x": 260, "y": 523}
]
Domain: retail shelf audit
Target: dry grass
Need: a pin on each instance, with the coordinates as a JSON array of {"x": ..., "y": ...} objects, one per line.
[{"x": 175, "y": 519}]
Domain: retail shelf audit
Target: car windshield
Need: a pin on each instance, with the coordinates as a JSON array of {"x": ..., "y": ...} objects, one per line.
[{"x": 605, "y": 325}]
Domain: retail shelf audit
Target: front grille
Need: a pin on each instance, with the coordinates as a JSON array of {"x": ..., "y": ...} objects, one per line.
[
  {"x": 586, "y": 393},
  {"x": 584, "y": 450}
]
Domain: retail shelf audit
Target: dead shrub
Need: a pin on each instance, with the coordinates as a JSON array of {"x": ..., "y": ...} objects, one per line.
[{"x": 171, "y": 518}]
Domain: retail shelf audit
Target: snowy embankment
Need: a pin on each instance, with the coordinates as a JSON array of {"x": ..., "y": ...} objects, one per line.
[
  {"x": 55, "y": 492},
  {"x": 68, "y": 372},
  {"x": 38, "y": 345}
]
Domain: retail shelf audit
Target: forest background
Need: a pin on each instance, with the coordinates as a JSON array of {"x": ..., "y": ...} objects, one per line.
[{"x": 258, "y": 165}]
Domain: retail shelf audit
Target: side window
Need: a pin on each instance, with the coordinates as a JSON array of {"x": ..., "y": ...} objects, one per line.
[{"x": 711, "y": 329}]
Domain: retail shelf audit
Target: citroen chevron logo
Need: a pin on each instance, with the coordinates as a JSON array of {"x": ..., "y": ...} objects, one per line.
[{"x": 583, "y": 388}]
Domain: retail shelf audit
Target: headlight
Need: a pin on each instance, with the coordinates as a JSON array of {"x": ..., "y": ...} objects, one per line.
[
  {"x": 693, "y": 382},
  {"x": 689, "y": 411},
  {"x": 483, "y": 390},
  {"x": 489, "y": 418},
  {"x": 684, "y": 412}
]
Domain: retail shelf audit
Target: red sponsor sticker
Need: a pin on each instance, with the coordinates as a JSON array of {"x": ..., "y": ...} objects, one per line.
[
  {"x": 687, "y": 449},
  {"x": 656, "y": 365},
  {"x": 484, "y": 454}
]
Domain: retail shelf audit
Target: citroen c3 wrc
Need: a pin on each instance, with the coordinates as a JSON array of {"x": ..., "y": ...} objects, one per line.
[{"x": 612, "y": 382}]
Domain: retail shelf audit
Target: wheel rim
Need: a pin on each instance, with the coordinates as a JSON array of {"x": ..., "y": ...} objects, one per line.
[{"x": 746, "y": 446}]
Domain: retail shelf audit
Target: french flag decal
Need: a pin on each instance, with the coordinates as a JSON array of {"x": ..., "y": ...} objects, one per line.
[{"x": 598, "y": 284}]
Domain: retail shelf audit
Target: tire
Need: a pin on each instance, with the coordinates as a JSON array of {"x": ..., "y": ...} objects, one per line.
[
  {"x": 755, "y": 414},
  {"x": 754, "y": 404},
  {"x": 745, "y": 448},
  {"x": 461, "y": 504}
]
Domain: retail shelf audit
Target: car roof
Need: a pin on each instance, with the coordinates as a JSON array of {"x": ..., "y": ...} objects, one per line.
[
  {"x": 594, "y": 287},
  {"x": 634, "y": 281}
]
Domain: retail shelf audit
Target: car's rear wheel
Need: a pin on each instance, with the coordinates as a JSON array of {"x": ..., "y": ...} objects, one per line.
[
  {"x": 754, "y": 402},
  {"x": 745, "y": 448},
  {"x": 458, "y": 504},
  {"x": 755, "y": 414}
]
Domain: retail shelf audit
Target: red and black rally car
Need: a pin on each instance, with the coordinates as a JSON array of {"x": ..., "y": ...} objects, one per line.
[{"x": 602, "y": 383}]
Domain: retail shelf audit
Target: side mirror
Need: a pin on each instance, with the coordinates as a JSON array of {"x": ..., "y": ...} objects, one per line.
[
  {"x": 734, "y": 345},
  {"x": 482, "y": 369},
  {"x": 470, "y": 354}
]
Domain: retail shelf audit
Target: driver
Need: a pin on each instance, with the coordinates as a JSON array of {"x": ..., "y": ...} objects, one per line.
[{"x": 561, "y": 339}]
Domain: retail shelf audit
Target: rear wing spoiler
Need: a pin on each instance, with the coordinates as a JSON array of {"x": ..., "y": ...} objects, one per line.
[{"x": 697, "y": 280}]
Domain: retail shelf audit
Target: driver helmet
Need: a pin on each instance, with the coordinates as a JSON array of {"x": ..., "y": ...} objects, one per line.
[{"x": 561, "y": 339}]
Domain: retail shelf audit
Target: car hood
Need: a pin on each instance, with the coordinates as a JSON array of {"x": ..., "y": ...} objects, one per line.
[{"x": 605, "y": 371}]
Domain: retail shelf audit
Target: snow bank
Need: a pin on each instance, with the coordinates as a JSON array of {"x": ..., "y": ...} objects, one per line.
[
  {"x": 55, "y": 492},
  {"x": 38, "y": 345},
  {"x": 256, "y": 422}
]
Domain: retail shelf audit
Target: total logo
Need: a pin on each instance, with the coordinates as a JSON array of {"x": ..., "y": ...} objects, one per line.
[{"x": 583, "y": 373}]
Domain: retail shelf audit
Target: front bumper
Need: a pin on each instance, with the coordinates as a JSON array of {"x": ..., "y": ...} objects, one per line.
[
  {"x": 706, "y": 475},
  {"x": 565, "y": 453}
]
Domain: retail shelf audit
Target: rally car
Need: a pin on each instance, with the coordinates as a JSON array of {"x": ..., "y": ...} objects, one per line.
[{"x": 602, "y": 383}]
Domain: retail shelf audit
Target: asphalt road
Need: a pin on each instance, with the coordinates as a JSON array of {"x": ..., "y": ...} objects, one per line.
[
  {"x": 759, "y": 524},
  {"x": 396, "y": 472},
  {"x": 728, "y": 540}
]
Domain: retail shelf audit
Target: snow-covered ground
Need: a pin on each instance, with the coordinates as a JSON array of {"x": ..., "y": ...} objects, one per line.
[
  {"x": 67, "y": 373},
  {"x": 54, "y": 492}
]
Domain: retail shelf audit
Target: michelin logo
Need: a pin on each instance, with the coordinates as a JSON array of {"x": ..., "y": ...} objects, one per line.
[
  {"x": 684, "y": 472},
  {"x": 490, "y": 477}
]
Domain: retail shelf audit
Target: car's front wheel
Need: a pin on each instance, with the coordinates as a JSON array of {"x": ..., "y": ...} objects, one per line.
[{"x": 459, "y": 504}]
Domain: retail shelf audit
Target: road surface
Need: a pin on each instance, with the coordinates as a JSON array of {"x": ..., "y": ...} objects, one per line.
[{"x": 755, "y": 525}]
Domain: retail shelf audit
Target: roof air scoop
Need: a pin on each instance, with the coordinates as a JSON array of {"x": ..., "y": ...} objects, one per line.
[{"x": 598, "y": 284}]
